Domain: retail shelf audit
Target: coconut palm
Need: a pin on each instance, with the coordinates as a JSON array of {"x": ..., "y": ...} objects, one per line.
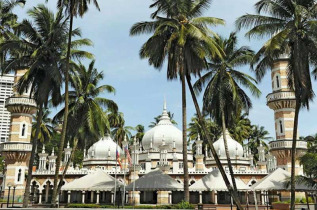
[
  {"x": 119, "y": 130},
  {"x": 157, "y": 120},
  {"x": 240, "y": 128},
  {"x": 291, "y": 27},
  {"x": 7, "y": 18},
  {"x": 223, "y": 97},
  {"x": 46, "y": 127},
  {"x": 86, "y": 107},
  {"x": 258, "y": 136},
  {"x": 37, "y": 47},
  {"x": 181, "y": 37},
  {"x": 73, "y": 8},
  {"x": 195, "y": 128},
  {"x": 140, "y": 132}
]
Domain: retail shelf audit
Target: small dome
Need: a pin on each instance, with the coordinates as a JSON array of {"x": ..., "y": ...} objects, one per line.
[
  {"x": 103, "y": 148},
  {"x": 234, "y": 147},
  {"x": 164, "y": 130}
]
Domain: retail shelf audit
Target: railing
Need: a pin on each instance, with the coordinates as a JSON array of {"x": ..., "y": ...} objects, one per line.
[
  {"x": 20, "y": 101},
  {"x": 11, "y": 147},
  {"x": 287, "y": 144},
  {"x": 280, "y": 96}
]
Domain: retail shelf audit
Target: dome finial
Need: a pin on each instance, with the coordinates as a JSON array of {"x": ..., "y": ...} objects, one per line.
[
  {"x": 52, "y": 152},
  {"x": 68, "y": 145},
  {"x": 164, "y": 106},
  {"x": 43, "y": 149}
]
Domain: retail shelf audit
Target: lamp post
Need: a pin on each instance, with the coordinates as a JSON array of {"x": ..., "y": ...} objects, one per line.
[
  {"x": 8, "y": 200},
  {"x": 14, "y": 186}
]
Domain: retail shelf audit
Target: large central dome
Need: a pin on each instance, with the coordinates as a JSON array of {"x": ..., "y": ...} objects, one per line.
[
  {"x": 103, "y": 149},
  {"x": 164, "y": 130}
]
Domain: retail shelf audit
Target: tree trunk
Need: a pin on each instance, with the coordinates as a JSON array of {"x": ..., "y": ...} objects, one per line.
[
  {"x": 223, "y": 119},
  {"x": 293, "y": 155},
  {"x": 64, "y": 129},
  {"x": 185, "y": 161},
  {"x": 210, "y": 142},
  {"x": 34, "y": 146}
]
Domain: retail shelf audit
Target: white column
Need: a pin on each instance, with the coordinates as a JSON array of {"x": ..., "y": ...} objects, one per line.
[
  {"x": 68, "y": 196},
  {"x": 263, "y": 197},
  {"x": 200, "y": 197},
  {"x": 92, "y": 197},
  {"x": 97, "y": 198},
  {"x": 40, "y": 198},
  {"x": 170, "y": 201},
  {"x": 46, "y": 193},
  {"x": 83, "y": 197},
  {"x": 112, "y": 197},
  {"x": 216, "y": 197}
]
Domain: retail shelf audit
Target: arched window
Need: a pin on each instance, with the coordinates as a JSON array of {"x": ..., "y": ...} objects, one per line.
[
  {"x": 277, "y": 81},
  {"x": 23, "y": 130},
  {"x": 281, "y": 127},
  {"x": 19, "y": 175}
]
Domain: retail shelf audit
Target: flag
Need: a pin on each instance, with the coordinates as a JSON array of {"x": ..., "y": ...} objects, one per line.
[
  {"x": 118, "y": 159},
  {"x": 128, "y": 154}
]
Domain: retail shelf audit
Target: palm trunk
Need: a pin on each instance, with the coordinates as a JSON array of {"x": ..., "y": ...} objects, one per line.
[
  {"x": 34, "y": 146},
  {"x": 185, "y": 161},
  {"x": 64, "y": 129},
  {"x": 210, "y": 142},
  {"x": 60, "y": 184},
  {"x": 293, "y": 155},
  {"x": 227, "y": 151}
]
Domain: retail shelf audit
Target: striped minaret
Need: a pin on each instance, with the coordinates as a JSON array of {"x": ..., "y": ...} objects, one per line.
[
  {"x": 17, "y": 150},
  {"x": 282, "y": 101}
]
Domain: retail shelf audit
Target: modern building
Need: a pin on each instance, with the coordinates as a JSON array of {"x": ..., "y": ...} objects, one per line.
[{"x": 6, "y": 90}]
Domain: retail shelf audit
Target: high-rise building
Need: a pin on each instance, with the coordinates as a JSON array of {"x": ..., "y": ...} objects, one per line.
[{"x": 6, "y": 90}]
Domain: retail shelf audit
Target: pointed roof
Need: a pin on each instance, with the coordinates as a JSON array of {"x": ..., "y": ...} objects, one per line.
[
  {"x": 99, "y": 180},
  {"x": 276, "y": 181},
  {"x": 214, "y": 181},
  {"x": 155, "y": 181}
]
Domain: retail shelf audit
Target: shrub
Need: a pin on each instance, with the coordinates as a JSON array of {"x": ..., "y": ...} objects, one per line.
[
  {"x": 184, "y": 205},
  {"x": 82, "y": 205}
]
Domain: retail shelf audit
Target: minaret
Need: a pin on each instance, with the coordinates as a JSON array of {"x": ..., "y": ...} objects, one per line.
[
  {"x": 282, "y": 101},
  {"x": 42, "y": 159},
  {"x": 17, "y": 150},
  {"x": 200, "y": 166}
]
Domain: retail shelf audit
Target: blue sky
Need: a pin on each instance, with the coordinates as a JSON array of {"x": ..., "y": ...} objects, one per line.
[{"x": 140, "y": 89}]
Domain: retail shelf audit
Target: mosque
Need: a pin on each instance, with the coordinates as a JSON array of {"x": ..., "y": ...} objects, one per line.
[{"x": 155, "y": 175}]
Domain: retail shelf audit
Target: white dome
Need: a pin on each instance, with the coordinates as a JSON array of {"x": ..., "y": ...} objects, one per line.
[
  {"x": 103, "y": 149},
  {"x": 164, "y": 130},
  {"x": 234, "y": 147}
]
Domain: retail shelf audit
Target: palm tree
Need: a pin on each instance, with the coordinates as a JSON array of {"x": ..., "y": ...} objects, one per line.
[
  {"x": 195, "y": 128},
  {"x": 157, "y": 120},
  {"x": 73, "y": 8},
  {"x": 140, "y": 132},
  {"x": 37, "y": 47},
  {"x": 86, "y": 107},
  {"x": 7, "y": 18},
  {"x": 181, "y": 37},
  {"x": 224, "y": 97},
  {"x": 258, "y": 136},
  {"x": 240, "y": 128},
  {"x": 119, "y": 130},
  {"x": 46, "y": 127},
  {"x": 291, "y": 28}
]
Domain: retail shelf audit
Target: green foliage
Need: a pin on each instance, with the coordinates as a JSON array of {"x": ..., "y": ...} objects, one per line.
[
  {"x": 184, "y": 205},
  {"x": 2, "y": 164},
  {"x": 78, "y": 157},
  {"x": 80, "y": 205}
]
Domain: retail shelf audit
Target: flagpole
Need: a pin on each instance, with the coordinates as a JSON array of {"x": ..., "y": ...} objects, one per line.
[
  {"x": 125, "y": 144},
  {"x": 134, "y": 160},
  {"x": 115, "y": 177}
]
